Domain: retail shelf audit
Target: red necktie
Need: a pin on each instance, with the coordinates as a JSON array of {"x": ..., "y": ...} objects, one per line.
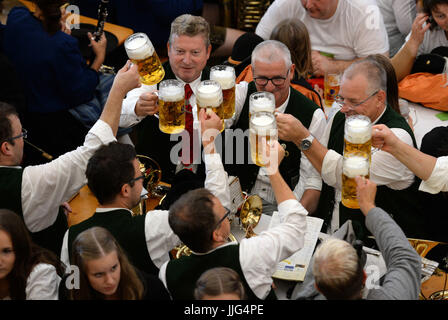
[{"x": 188, "y": 123}]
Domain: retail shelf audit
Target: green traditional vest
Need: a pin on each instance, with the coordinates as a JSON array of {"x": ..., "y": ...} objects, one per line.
[
  {"x": 127, "y": 229},
  {"x": 11, "y": 198},
  {"x": 154, "y": 143},
  {"x": 182, "y": 273},
  {"x": 401, "y": 205},
  {"x": 300, "y": 107}
]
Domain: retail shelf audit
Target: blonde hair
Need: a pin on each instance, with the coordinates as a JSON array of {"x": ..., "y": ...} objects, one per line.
[
  {"x": 294, "y": 34},
  {"x": 95, "y": 243},
  {"x": 337, "y": 270},
  {"x": 189, "y": 25}
]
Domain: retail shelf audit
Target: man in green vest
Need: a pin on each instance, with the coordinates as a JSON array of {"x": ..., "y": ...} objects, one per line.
[
  {"x": 273, "y": 71},
  {"x": 114, "y": 177},
  {"x": 188, "y": 51},
  {"x": 200, "y": 221},
  {"x": 37, "y": 192},
  {"x": 363, "y": 91}
]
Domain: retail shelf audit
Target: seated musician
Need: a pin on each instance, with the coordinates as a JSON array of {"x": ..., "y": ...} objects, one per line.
[
  {"x": 273, "y": 71},
  {"x": 36, "y": 192},
  {"x": 200, "y": 220},
  {"x": 114, "y": 177}
]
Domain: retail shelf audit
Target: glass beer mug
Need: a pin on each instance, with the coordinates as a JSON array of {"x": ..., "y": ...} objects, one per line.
[
  {"x": 261, "y": 102},
  {"x": 263, "y": 127},
  {"x": 353, "y": 164},
  {"x": 141, "y": 52},
  {"x": 209, "y": 96},
  {"x": 331, "y": 87},
  {"x": 225, "y": 76},
  {"x": 171, "y": 106},
  {"x": 358, "y": 135}
]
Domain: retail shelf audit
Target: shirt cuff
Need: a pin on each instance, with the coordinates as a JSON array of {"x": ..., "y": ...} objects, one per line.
[
  {"x": 103, "y": 131},
  {"x": 213, "y": 161},
  {"x": 330, "y": 167},
  {"x": 290, "y": 206},
  {"x": 437, "y": 181}
]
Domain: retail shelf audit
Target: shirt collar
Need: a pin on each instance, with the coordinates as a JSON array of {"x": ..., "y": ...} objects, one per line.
[
  {"x": 379, "y": 117},
  {"x": 282, "y": 108},
  {"x": 194, "y": 84}
]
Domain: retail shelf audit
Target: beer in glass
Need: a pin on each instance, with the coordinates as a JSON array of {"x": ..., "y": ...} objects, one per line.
[
  {"x": 141, "y": 52},
  {"x": 209, "y": 96},
  {"x": 225, "y": 76},
  {"x": 353, "y": 164},
  {"x": 263, "y": 126},
  {"x": 171, "y": 106},
  {"x": 331, "y": 87},
  {"x": 261, "y": 102},
  {"x": 358, "y": 135}
]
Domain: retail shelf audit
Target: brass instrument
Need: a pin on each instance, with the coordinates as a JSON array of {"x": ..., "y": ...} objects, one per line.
[
  {"x": 249, "y": 215},
  {"x": 249, "y": 13},
  {"x": 153, "y": 174},
  {"x": 423, "y": 246}
]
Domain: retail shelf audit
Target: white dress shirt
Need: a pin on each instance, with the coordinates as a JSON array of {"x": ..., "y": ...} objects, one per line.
[
  {"x": 160, "y": 239},
  {"x": 260, "y": 255},
  {"x": 438, "y": 181},
  {"x": 45, "y": 187},
  {"x": 385, "y": 169},
  {"x": 309, "y": 177}
]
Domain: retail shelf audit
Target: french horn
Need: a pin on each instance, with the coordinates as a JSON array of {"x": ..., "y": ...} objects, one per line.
[
  {"x": 153, "y": 174},
  {"x": 250, "y": 214}
]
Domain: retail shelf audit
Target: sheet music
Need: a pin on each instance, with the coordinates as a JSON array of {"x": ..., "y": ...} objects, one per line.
[
  {"x": 236, "y": 195},
  {"x": 294, "y": 268}
]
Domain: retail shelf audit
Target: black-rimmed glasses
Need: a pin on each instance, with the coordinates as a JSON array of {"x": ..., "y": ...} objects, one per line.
[
  {"x": 24, "y": 134},
  {"x": 226, "y": 215},
  {"x": 341, "y": 101},
  {"x": 276, "y": 81},
  {"x": 137, "y": 178}
]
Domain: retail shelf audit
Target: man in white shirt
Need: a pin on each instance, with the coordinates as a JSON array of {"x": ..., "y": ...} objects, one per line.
[
  {"x": 37, "y": 192},
  {"x": 340, "y": 31},
  {"x": 363, "y": 91},
  {"x": 273, "y": 71},
  {"x": 147, "y": 239},
  {"x": 204, "y": 228}
]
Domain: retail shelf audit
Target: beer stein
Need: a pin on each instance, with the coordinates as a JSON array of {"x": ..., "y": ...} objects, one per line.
[
  {"x": 141, "y": 52},
  {"x": 358, "y": 135},
  {"x": 209, "y": 96},
  {"x": 225, "y": 76},
  {"x": 353, "y": 164},
  {"x": 171, "y": 106},
  {"x": 261, "y": 102},
  {"x": 263, "y": 127},
  {"x": 331, "y": 87}
]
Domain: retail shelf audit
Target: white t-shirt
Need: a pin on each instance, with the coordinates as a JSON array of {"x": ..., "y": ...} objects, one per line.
[
  {"x": 356, "y": 29},
  {"x": 398, "y": 16},
  {"x": 433, "y": 39}
]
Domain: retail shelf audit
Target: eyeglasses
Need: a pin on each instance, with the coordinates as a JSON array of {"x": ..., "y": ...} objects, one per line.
[
  {"x": 24, "y": 134},
  {"x": 276, "y": 81},
  {"x": 341, "y": 101},
  {"x": 137, "y": 178},
  {"x": 228, "y": 212}
]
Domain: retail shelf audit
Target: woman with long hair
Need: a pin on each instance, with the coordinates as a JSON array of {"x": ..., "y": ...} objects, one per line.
[
  {"x": 219, "y": 284},
  {"x": 27, "y": 271},
  {"x": 106, "y": 273}
]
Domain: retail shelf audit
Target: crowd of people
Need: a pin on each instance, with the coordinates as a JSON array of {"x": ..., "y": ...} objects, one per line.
[{"x": 94, "y": 125}]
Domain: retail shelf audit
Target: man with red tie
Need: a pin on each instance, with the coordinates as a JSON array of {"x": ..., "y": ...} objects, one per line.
[{"x": 188, "y": 51}]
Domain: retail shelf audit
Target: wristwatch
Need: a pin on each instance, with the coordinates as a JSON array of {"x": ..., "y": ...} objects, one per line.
[{"x": 305, "y": 144}]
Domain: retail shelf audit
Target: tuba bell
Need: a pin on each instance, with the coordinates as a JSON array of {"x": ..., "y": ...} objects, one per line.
[
  {"x": 153, "y": 174},
  {"x": 250, "y": 214}
]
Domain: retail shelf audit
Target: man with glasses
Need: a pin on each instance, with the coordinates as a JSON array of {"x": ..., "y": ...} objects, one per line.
[
  {"x": 199, "y": 219},
  {"x": 114, "y": 177},
  {"x": 37, "y": 192},
  {"x": 363, "y": 91},
  {"x": 273, "y": 71}
]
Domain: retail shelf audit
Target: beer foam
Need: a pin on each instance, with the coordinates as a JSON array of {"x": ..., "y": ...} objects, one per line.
[
  {"x": 209, "y": 96},
  {"x": 138, "y": 50},
  {"x": 262, "y": 104},
  {"x": 171, "y": 93},
  {"x": 358, "y": 131},
  {"x": 225, "y": 78},
  {"x": 355, "y": 166},
  {"x": 262, "y": 124}
]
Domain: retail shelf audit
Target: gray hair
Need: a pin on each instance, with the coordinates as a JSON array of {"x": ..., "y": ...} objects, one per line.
[
  {"x": 372, "y": 71},
  {"x": 270, "y": 51},
  {"x": 336, "y": 269},
  {"x": 189, "y": 25}
]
